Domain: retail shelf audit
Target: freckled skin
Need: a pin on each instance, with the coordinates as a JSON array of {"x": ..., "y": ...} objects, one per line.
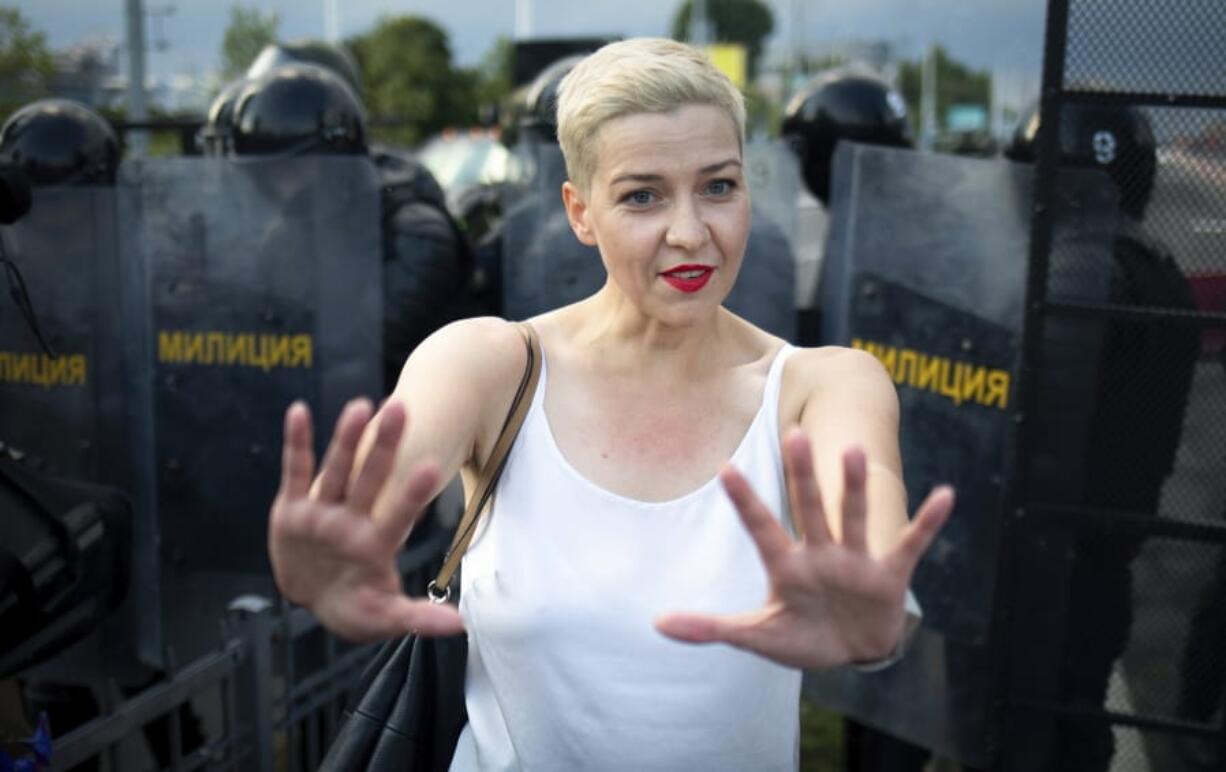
[
  {"x": 678, "y": 219},
  {"x": 668, "y": 190},
  {"x": 649, "y": 392},
  {"x": 651, "y": 442}
]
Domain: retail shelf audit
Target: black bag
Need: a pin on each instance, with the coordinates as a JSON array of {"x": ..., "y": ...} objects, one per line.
[{"x": 412, "y": 711}]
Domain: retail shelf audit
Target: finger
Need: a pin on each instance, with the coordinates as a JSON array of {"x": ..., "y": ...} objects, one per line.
[
  {"x": 297, "y": 453},
  {"x": 338, "y": 461},
  {"x": 372, "y": 475},
  {"x": 395, "y": 526},
  {"x": 379, "y": 616},
  {"x": 918, "y": 535},
  {"x": 740, "y": 630},
  {"x": 802, "y": 487},
  {"x": 426, "y": 618},
  {"x": 772, "y": 542},
  {"x": 855, "y": 500}
]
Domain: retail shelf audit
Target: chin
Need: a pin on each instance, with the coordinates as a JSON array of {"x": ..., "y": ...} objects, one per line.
[{"x": 693, "y": 312}]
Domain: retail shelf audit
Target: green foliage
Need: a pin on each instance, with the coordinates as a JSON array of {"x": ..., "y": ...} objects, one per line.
[
  {"x": 957, "y": 84},
  {"x": 747, "y": 22},
  {"x": 496, "y": 75},
  {"x": 25, "y": 62},
  {"x": 246, "y": 35},
  {"x": 821, "y": 739},
  {"x": 408, "y": 79}
]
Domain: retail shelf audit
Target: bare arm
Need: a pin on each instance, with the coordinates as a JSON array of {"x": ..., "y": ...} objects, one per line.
[
  {"x": 456, "y": 388},
  {"x": 837, "y": 595},
  {"x": 851, "y": 403},
  {"x": 333, "y": 541}
]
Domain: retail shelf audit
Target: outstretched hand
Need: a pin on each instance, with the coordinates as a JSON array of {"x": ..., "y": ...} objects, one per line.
[
  {"x": 328, "y": 552},
  {"x": 831, "y": 602}
]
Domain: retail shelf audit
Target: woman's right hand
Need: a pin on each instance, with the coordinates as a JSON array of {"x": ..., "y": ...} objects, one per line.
[{"x": 328, "y": 552}]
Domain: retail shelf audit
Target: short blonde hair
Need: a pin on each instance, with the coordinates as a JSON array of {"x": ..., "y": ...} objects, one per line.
[{"x": 641, "y": 75}]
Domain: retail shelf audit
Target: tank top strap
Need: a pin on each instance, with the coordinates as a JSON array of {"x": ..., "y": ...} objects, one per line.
[
  {"x": 774, "y": 386},
  {"x": 770, "y": 393}
]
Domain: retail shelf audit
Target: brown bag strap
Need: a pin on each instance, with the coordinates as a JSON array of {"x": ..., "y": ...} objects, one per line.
[{"x": 440, "y": 589}]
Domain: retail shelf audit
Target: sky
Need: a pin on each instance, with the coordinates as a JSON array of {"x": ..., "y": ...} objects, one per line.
[{"x": 1004, "y": 34}]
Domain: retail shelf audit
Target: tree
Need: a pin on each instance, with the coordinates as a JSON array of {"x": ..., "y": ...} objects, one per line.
[
  {"x": 408, "y": 78},
  {"x": 957, "y": 84},
  {"x": 747, "y": 22},
  {"x": 496, "y": 75},
  {"x": 246, "y": 35},
  {"x": 26, "y": 65}
]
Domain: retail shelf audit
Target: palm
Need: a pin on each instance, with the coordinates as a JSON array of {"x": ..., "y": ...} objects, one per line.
[
  {"x": 831, "y": 602},
  {"x": 327, "y": 551}
]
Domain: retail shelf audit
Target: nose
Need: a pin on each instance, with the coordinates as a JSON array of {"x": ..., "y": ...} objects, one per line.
[{"x": 686, "y": 230}]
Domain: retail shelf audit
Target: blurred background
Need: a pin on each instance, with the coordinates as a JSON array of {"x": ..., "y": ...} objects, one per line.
[
  {"x": 238, "y": 207},
  {"x": 965, "y": 70}
]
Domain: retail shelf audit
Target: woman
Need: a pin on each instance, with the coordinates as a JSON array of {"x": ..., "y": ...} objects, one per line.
[{"x": 610, "y": 514}]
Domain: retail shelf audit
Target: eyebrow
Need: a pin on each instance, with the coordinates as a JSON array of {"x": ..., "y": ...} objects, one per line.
[{"x": 709, "y": 169}]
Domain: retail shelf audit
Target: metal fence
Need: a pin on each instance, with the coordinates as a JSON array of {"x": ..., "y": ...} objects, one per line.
[
  {"x": 1110, "y": 614},
  {"x": 270, "y": 697}
]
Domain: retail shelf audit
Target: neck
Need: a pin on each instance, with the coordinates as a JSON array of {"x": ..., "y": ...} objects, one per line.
[{"x": 623, "y": 337}]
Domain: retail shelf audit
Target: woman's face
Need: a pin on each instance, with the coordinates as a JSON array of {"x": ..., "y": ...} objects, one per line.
[{"x": 668, "y": 209}]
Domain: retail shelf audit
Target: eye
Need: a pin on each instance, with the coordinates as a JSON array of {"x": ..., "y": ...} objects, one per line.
[
  {"x": 720, "y": 188},
  {"x": 640, "y": 198}
]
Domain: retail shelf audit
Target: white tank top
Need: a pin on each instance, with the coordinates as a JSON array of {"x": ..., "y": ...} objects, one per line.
[{"x": 559, "y": 591}]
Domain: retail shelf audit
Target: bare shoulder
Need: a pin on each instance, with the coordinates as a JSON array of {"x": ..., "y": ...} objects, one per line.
[
  {"x": 834, "y": 372},
  {"x": 460, "y": 382},
  {"x": 483, "y": 351}
]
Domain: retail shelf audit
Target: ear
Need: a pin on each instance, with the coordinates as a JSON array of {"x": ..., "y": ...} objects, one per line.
[{"x": 577, "y": 213}]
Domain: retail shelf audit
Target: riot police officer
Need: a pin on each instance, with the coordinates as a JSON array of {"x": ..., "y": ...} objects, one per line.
[
  {"x": 543, "y": 266},
  {"x": 1144, "y": 376},
  {"x": 54, "y": 143},
  {"x": 214, "y": 138},
  {"x": 299, "y": 109},
  {"x": 60, "y": 142},
  {"x": 836, "y": 105},
  {"x": 308, "y": 51}
]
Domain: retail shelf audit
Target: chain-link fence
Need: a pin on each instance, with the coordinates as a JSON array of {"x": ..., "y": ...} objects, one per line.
[{"x": 1111, "y": 615}]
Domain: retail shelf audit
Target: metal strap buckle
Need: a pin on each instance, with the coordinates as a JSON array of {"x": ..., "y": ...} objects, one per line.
[{"x": 435, "y": 596}]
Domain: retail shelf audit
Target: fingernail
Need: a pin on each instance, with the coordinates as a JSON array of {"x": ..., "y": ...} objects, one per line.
[{"x": 854, "y": 458}]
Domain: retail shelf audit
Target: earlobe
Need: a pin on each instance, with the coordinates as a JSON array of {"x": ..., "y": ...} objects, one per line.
[{"x": 577, "y": 214}]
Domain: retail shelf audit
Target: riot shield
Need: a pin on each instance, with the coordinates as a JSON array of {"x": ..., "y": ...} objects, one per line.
[
  {"x": 72, "y": 414},
  {"x": 544, "y": 266},
  {"x": 925, "y": 268},
  {"x": 765, "y": 289},
  {"x": 773, "y": 174},
  {"x": 66, "y": 410},
  {"x": 264, "y": 287},
  {"x": 263, "y": 284}
]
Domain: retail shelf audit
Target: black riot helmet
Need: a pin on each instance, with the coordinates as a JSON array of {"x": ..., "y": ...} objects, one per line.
[
  {"x": 319, "y": 52},
  {"x": 60, "y": 142},
  {"x": 217, "y": 135},
  {"x": 842, "y": 105},
  {"x": 539, "y": 116},
  {"x": 1115, "y": 139},
  {"x": 298, "y": 109}
]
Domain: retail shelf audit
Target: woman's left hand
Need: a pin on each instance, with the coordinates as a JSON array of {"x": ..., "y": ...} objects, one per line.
[{"x": 830, "y": 603}]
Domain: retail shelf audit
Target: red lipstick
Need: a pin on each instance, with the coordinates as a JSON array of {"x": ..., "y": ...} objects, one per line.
[{"x": 688, "y": 278}]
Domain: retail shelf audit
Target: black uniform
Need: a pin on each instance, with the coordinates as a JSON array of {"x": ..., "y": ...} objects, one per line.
[
  {"x": 1145, "y": 371},
  {"x": 297, "y": 109},
  {"x": 426, "y": 260}
]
